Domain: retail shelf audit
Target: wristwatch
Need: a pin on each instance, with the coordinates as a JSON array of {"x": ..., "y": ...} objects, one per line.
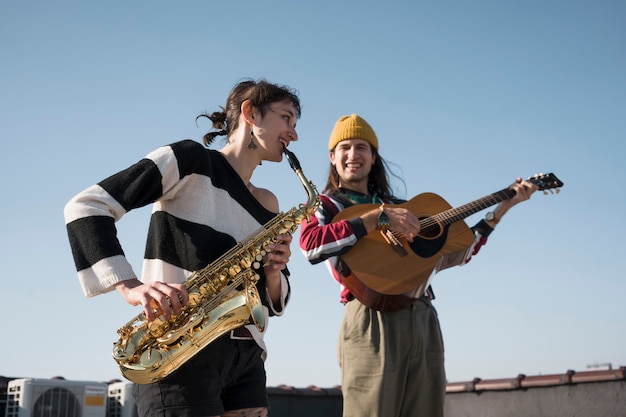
[{"x": 491, "y": 217}]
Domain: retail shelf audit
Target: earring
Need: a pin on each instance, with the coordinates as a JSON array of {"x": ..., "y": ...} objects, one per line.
[{"x": 251, "y": 145}]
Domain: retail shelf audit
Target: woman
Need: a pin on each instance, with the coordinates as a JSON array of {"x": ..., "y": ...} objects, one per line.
[{"x": 203, "y": 204}]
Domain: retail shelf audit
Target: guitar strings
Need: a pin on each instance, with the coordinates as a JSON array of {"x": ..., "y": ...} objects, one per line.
[{"x": 437, "y": 221}]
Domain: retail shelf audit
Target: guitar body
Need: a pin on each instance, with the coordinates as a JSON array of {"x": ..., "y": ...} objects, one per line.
[{"x": 383, "y": 270}]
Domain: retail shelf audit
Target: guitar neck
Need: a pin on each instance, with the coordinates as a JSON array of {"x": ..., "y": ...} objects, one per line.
[{"x": 459, "y": 213}]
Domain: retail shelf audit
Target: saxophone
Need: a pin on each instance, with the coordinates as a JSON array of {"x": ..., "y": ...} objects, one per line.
[{"x": 222, "y": 297}]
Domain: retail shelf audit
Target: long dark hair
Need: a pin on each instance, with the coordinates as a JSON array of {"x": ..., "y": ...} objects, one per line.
[{"x": 260, "y": 93}]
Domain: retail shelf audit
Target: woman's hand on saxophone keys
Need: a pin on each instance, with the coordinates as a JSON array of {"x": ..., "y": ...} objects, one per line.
[
  {"x": 278, "y": 254},
  {"x": 157, "y": 298},
  {"x": 275, "y": 261}
]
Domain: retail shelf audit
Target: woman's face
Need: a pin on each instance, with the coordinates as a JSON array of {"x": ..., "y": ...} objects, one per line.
[{"x": 276, "y": 129}]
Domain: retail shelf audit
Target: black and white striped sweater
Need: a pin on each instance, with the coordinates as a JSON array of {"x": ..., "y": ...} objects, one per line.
[{"x": 201, "y": 209}]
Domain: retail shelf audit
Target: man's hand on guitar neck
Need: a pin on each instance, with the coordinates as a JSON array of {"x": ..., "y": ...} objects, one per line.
[{"x": 523, "y": 191}]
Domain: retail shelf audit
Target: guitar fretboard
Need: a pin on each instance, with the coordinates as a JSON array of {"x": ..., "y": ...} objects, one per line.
[{"x": 455, "y": 214}]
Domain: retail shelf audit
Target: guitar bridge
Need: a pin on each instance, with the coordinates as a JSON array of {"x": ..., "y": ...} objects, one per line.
[{"x": 393, "y": 241}]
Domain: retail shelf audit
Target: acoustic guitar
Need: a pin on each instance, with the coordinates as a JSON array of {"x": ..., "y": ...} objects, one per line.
[{"x": 381, "y": 269}]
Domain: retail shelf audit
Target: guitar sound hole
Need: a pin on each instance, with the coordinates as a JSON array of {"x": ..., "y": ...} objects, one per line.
[
  {"x": 429, "y": 243},
  {"x": 429, "y": 229}
]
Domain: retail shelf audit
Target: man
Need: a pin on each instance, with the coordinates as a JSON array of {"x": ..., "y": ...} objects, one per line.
[{"x": 392, "y": 359}]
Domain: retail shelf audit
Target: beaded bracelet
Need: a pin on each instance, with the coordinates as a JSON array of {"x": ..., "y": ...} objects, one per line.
[{"x": 383, "y": 219}]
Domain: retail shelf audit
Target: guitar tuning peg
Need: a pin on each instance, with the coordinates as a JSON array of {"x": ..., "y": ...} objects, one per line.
[
  {"x": 545, "y": 192},
  {"x": 558, "y": 190}
]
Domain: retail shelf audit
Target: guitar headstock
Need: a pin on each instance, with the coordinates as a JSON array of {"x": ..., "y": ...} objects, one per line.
[{"x": 546, "y": 182}]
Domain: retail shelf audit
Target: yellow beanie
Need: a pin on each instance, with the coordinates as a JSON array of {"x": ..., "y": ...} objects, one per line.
[{"x": 352, "y": 127}]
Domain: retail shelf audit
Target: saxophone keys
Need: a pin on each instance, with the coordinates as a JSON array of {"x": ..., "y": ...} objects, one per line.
[
  {"x": 195, "y": 298},
  {"x": 150, "y": 357},
  {"x": 175, "y": 334},
  {"x": 258, "y": 258},
  {"x": 124, "y": 351},
  {"x": 245, "y": 261},
  {"x": 157, "y": 326}
]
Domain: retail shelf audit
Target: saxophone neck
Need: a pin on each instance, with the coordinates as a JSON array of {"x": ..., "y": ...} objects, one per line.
[{"x": 313, "y": 195}]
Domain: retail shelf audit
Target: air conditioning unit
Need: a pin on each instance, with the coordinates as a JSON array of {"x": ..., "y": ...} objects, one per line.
[
  {"x": 55, "y": 398},
  {"x": 120, "y": 401}
]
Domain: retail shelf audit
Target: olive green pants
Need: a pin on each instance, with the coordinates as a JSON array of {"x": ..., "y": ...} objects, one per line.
[{"x": 392, "y": 364}]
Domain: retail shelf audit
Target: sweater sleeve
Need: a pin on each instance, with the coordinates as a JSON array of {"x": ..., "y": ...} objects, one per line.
[
  {"x": 90, "y": 218},
  {"x": 481, "y": 232}
]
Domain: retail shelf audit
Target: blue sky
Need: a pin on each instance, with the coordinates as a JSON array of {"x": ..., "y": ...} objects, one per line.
[{"x": 464, "y": 96}]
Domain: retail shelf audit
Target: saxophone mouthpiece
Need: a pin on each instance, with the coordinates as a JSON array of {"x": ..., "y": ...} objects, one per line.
[{"x": 293, "y": 161}]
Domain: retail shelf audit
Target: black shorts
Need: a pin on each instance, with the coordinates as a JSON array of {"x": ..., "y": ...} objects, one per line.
[{"x": 227, "y": 375}]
